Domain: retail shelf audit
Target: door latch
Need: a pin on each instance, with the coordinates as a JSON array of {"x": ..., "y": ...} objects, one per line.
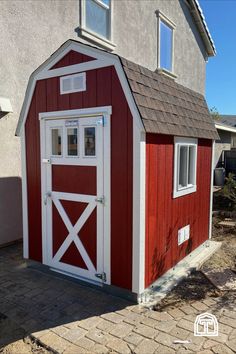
[
  {"x": 46, "y": 161},
  {"x": 100, "y": 200},
  {"x": 101, "y": 276},
  {"x": 46, "y": 196}
]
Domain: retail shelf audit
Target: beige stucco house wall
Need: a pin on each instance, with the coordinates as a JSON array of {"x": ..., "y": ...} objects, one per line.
[{"x": 32, "y": 30}]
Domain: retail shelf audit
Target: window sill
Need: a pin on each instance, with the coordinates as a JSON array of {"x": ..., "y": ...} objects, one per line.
[
  {"x": 167, "y": 73},
  {"x": 103, "y": 42},
  {"x": 184, "y": 191}
]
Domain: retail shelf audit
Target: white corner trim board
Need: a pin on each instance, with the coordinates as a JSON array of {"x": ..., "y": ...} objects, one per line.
[
  {"x": 24, "y": 197},
  {"x": 139, "y": 203},
  {"x": 211, "y": 188}
]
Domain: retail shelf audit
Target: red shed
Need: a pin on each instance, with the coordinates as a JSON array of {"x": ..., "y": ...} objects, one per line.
[{"x": 116, "y": 169}]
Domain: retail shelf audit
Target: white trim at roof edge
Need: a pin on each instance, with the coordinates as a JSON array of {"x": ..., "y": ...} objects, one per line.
[
  {"x": 226, "y": 128},
  {"x": 103, "y": 59},
  {"x": 200, "y": 21}
]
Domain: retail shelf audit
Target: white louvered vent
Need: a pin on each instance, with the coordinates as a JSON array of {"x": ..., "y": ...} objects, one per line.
[{"x": 73, "y": 83}]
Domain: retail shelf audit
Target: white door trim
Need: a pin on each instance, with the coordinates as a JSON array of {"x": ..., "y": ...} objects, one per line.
[{"x": 45, "y": 171}]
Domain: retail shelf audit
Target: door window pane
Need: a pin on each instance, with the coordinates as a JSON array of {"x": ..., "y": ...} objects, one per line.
[
  {"x": 183, "y": 166},
  {"x": 97, "y": 17},
  {"x": 89, "y": 141},
  {"x": 72, "y": 141},
  {"x": 166, "y": 33},
  {"x": 56, "y": 142}
]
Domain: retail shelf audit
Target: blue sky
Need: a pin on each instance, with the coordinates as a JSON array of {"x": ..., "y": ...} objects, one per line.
[{"x": 221, "y": 70}]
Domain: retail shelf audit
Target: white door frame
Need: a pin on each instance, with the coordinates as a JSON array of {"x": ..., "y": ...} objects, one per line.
[{"x": 104, "y": 112}]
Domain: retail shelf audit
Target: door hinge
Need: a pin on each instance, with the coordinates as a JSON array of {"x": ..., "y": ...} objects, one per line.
[
  {"x": 100, "y": 200},
  {"x": 101, "y": 121},
  {"x": 101, "y": 276},
  {"x": 46, "y": 196}
]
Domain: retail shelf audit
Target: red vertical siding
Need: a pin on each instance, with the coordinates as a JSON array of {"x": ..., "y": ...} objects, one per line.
[
  {"x": 165, "y": 215},
  {"x": 103, "y": 88},
  {"x": 72, "y": 58}
]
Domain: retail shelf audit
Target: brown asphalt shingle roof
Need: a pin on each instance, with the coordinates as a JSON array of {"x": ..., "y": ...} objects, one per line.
[{"x": 167, "y": 107}]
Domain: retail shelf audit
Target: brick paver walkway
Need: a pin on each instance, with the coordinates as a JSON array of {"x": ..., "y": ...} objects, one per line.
[{"x": 70, "y": 319}]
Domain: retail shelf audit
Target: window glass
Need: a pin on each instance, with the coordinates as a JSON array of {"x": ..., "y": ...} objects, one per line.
[
  {"x": 183, "y": 165},
  {"x": 191, "y": 164},
  {"x": 97, "y": 17},
  {"x": 72, "y": 141},
  {"x": 89, "y": 141},
  {"x": 166, "y": 34},
  {"x": 56, "y": 142}
]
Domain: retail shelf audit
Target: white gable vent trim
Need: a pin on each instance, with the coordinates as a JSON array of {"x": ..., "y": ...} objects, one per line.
[{"x": 73, "y": 83}]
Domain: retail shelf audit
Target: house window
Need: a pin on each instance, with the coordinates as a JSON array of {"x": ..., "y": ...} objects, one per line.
[
  {"x": 185, "y": 164},
  {"x": 165, "y": 43},
  {"x": 97, "y": 17},
  {"x": 96, "y": 22}
]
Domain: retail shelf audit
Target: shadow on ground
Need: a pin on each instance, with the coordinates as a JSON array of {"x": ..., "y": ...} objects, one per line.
[{"x": 32, "y": 301}]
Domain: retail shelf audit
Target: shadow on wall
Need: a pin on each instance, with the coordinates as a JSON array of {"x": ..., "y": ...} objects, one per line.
[{"x": 10, "y": 209}]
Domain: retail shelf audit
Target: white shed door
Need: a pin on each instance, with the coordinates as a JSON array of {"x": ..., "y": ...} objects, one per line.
[{"x": 74, "y": 196}]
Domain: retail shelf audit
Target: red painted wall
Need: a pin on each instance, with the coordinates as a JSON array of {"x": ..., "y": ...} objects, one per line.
[
  {"x": 103, "y": 88},
  {"x": 165, "y": 215}
]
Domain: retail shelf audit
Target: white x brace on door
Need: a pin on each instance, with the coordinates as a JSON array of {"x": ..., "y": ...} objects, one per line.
[{"x": 75, "y": 173}]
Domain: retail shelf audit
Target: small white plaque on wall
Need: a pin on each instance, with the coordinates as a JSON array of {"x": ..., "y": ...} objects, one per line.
[{"x": 183, "y": 234}]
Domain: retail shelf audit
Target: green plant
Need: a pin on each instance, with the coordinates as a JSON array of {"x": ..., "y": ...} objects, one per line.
[
  {"x": 215, "y": 114},
  {"x": 229, "y": 189}
]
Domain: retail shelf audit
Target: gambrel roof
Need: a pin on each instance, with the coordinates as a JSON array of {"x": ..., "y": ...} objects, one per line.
[
  {"x": 158, "y": 103},
  {"x": 167, "y": 107}
]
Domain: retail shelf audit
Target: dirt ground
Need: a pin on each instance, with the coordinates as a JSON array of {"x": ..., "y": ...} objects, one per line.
[
  {"x": 10, "y": 342},
  {"x": 197, "y": 286},
  {"x": 23, "y": 346}
]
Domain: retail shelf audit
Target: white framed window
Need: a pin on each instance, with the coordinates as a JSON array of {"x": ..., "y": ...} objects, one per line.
[
  {"x": 185, "y": 166},
  {"x": 165, "y": 44},
  {"x": 96, "y": 21}
]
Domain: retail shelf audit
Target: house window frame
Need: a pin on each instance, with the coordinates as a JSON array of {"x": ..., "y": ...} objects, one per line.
[
  {"x": 90, "y": 34},
  {"x": 190, "y": 188},
  {"x": 163, "y": 18}
]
